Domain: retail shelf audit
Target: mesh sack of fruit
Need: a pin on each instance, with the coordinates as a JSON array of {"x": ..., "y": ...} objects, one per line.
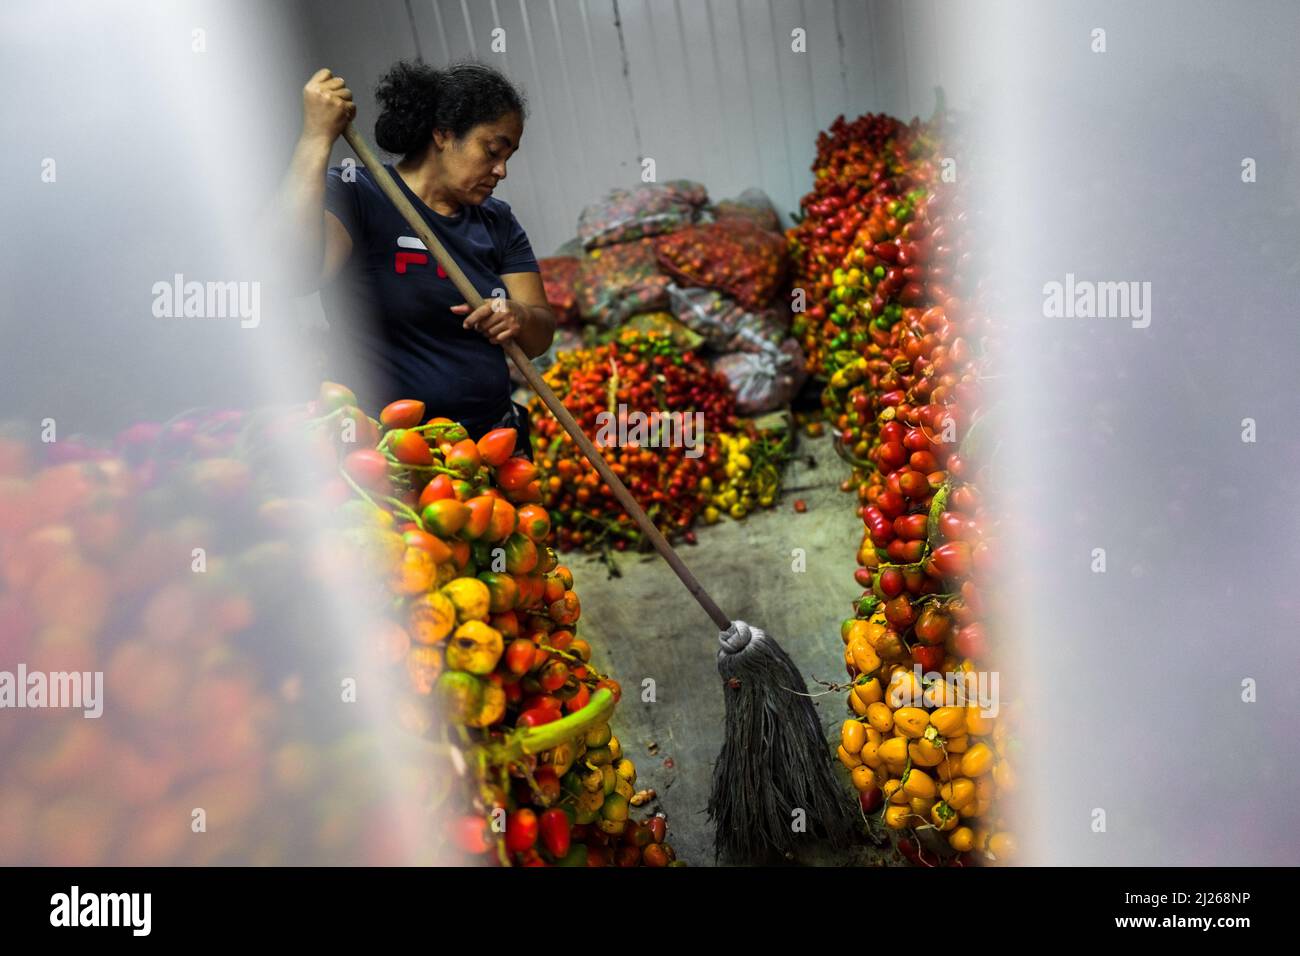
[
  {"x": 647, "y": 210},
  {"x": 734, "y": 256},
  {"x": 572, "y": 249},
  {"x": 559, "y": 273},
  {"x": 763, "y": 380},
  {"x": 724, "y": 324},
  {"x": 616, "y": 282},
  {"x": 753, "y": 206}
]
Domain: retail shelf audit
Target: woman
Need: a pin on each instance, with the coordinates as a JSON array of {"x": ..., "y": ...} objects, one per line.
[{"x": 397, "y": 323}]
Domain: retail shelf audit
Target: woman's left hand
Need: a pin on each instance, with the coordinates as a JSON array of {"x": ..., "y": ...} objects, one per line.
[{"x": 497, "y": 318}]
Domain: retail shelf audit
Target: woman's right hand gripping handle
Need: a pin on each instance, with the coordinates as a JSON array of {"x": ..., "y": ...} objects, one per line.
[{"x": 327, "y": 107}]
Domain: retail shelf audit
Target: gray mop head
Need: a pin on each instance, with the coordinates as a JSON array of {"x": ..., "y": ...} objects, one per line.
[{"x": 775, "y": 759}]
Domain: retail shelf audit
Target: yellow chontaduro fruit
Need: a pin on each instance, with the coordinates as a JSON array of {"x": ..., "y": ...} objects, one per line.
[
  {"x": 897, "y": 818},
  {"x": 849, "y": 760},
  {"x": 470, "y": 597},
  {"x": 977, "y": 725},
  {"x": 863, "y": 656},
  {"x": 870, "y": 754},
  {"x": 856, "y": 627},
  {"x": 918, "y": 783},
  {"x": 962, "y": 839},
  {"x": 904, "y": 689},
  {"x": 977, "y": 761},
  {"x": 475, "y": 648},
  {"x": 943, "y": 816},
  {"x": 957, "y": 745},
  {"x": 853, "y": 735},
  {"x": 912, "y": 721},
  {"x": 940, "y": 694},
  {"x": 869, "y": 692},
  {"x": 880, "y": 717},
  {"x": 926, "y": 752},
  {"x": 430, "y": 618},
  {"x": 416, "y": 573},
  {"x": 920, "y": 807},
  {"x": 948, "y": 770},
  {"x": 949, "y": 721},
  {"x": 863, "y": 778},
  {"x": 894, "y": 752},
  {"x": 958, "y": 794}
]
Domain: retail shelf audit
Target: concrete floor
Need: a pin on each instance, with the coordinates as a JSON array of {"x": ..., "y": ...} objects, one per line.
[{"x": 644, "y": 625}]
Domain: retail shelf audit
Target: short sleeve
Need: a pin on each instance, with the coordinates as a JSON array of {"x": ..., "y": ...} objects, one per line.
[
  {"x": 342, "y": 199},
  {"x": 517, "y": 251}
]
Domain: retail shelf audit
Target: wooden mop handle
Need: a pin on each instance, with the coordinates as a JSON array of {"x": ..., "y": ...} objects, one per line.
[{"x": 535, "y": 381}]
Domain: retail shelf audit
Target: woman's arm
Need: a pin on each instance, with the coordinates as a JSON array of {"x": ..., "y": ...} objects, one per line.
[
  {"x": 525, "y": 315},
  {"x": 320, "y": 242},
  {"x": 539, "y": 325}
]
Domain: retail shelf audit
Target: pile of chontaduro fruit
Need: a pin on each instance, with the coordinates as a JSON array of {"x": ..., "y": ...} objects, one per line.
[
  {"x": 882, "y": 251},
  {"x": 485, "y": 625},
  {"x": 866, "y": 176},
  {"x": 228, "y": 567},
  {"x": 611, "y": 392},
  {"x": 173, "y": 562}
]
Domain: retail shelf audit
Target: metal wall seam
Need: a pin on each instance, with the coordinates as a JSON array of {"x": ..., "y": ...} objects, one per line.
[
  {"x": 442, "y": 31},
  {"x": 696, "y": 133},
  {"x": 469, "y": 28},
  {"x": 780, "y": 85},
  {"x": 548, "y": 127},
  {"x": 568, "y": 91}
]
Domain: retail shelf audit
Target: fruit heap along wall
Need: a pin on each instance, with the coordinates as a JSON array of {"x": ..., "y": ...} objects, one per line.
[{"x": 893, "y": 328}]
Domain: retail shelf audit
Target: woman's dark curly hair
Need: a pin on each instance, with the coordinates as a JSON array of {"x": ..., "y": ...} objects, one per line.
[{"x": 415, "y": 99}]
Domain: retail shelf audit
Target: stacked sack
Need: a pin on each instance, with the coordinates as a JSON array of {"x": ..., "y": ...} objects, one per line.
[
  {"x": 729, "y": 282},
  {"x": 658, "y": 258}
]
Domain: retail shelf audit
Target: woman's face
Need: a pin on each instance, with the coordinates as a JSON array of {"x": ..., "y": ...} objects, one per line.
[{"x": 473, "y": 164}]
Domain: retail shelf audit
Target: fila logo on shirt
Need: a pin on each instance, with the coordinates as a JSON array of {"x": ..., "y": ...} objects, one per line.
[{"x": 403, "y": 259}]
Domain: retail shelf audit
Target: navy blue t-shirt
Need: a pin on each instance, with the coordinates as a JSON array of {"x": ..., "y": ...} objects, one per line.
[{"x": 389, "y": 307}]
